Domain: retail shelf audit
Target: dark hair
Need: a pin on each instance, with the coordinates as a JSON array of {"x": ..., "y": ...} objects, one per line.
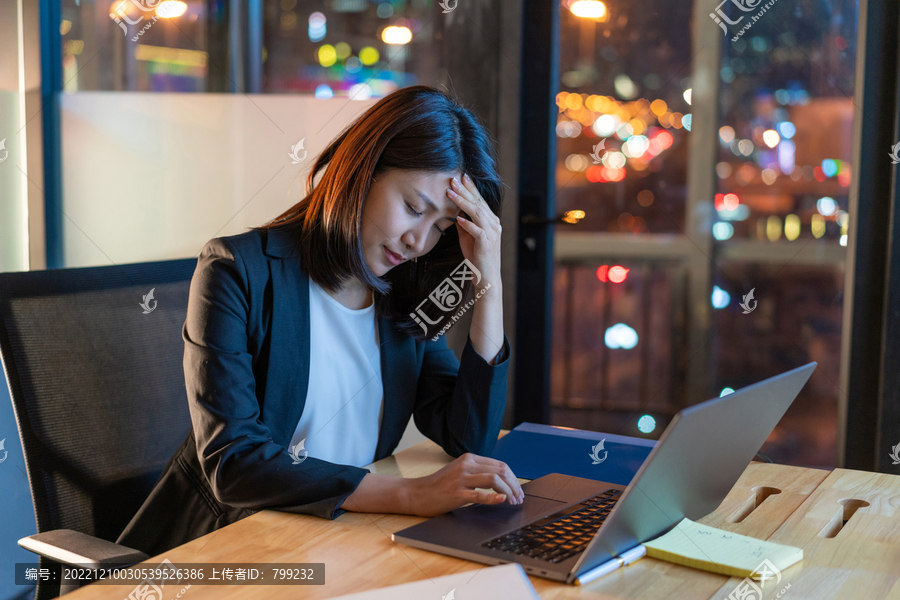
[{"x": 414, "y": 128}]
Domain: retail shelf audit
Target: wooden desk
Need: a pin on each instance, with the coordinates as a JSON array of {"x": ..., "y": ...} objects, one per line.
[{"x": 860, "y": 562}]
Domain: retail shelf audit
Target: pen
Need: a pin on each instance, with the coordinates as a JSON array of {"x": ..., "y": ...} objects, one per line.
[{"x": 628, "y": 557}]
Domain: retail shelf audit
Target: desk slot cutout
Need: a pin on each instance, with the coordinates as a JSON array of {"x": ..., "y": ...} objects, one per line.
[
  {"x": 849, "y": 506},
  {"x": 759, "y": 495}
]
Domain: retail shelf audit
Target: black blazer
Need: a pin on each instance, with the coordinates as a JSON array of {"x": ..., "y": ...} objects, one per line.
[{"x": 246, "y": 371}]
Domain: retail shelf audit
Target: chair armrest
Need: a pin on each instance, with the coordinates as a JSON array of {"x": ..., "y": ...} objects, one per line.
[{"x": 75, "y": 548}]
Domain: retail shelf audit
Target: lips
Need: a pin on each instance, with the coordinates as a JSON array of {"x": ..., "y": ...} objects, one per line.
[{"x": 394, "y": 258}]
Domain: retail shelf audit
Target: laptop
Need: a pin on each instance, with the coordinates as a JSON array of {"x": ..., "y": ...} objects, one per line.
[{"x": 567, "y": 526}]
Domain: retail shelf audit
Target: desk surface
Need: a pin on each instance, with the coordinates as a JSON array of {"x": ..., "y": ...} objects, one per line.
[{"x": 859, "y": 560}]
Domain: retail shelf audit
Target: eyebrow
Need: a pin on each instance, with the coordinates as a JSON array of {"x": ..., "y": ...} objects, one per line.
[{"x": 431, "y": 204}]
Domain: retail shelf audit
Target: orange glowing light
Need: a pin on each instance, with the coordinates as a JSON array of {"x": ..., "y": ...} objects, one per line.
[
  {"x": 594, "y": 173},
  {"x": 731, "y": 201}
]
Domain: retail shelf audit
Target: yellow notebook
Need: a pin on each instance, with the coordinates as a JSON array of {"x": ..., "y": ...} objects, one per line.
[{"x": 694, "y": 545}]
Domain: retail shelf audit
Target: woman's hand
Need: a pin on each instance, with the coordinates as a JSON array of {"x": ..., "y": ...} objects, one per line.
[
  {"x": 479, "y": 239},
  {"x": 454, "y": 486}
]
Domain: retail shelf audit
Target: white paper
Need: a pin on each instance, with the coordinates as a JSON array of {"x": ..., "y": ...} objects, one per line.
[{"x": 501, "y": 582}]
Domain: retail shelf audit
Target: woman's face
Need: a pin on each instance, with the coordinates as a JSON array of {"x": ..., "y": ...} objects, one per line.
[{"x": 404, "y": 215}]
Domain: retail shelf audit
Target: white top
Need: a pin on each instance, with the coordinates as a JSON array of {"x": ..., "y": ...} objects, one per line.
[{"x": 345, "y": 400}]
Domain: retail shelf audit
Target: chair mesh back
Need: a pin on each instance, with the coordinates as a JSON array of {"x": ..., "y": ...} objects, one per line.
[{"x": 97, "y": 386}]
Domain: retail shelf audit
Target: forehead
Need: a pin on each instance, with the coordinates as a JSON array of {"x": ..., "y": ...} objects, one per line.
[
  {"x": 432, "y": 184},
  {"x": 423, "y": 179}
]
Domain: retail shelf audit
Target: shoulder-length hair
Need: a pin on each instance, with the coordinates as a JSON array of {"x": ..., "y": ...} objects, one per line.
[{"x": 415, "y": 128}]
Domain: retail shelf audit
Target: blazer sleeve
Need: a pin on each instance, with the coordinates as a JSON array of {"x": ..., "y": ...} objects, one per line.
[
  {"x": 241, "y": 463},
  {"x": 460, "y": 404}
]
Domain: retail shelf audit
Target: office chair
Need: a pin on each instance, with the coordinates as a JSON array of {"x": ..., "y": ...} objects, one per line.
[{"x": 94, "y": 368}]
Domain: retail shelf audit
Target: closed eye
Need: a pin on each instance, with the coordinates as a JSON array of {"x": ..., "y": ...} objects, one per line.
[{"x": 418, "y": 214}]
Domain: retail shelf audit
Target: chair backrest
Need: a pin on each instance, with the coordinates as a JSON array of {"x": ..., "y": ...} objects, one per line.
[{"x": 97, "y": 386}]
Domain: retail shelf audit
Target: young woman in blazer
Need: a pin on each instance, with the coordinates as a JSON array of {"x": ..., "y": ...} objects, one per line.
[{"x": 311, "y": 340}]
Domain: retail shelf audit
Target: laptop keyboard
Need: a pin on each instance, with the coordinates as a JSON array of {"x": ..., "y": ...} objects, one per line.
[{"x": 561, "y": 538}]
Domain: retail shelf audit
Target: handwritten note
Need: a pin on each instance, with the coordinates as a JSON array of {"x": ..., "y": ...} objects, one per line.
[{"x": 694, "y": 545}]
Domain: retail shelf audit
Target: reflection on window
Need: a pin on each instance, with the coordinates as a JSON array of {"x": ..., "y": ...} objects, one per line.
[
  {"x": 350, "y": 48},
  {"x": 782, "y": 175},
  {"x": 615, "y": 332},
  {"x": 785, "y": 133},
  {"x": 783, "y": 172},
  {"x": 796, "y": 319},
  {"x": 624, "y": 114},
  {"x": 343, "y": 48},
  {"x": 144, "y": 46}
]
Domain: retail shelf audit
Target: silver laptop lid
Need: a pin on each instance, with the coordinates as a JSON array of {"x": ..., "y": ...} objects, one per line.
[{"x": 696, "y": 462}]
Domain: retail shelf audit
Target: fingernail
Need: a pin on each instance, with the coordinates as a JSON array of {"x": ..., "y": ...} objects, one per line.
[
  {"x": 467, "y": 177},
  {"x": 454, "y": 181}
]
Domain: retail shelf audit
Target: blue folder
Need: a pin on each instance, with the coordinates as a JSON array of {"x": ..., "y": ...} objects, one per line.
[{"x": 532, "y": 450}]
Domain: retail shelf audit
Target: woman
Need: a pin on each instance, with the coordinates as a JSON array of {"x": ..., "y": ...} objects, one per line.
[{"x": 311, "y": 340}]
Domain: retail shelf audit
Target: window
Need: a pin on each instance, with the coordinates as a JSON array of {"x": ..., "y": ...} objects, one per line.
[{"x": 693, "y": 226}]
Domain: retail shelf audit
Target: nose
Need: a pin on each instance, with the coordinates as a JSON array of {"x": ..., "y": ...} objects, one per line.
[{"x": 414, "y": 243}]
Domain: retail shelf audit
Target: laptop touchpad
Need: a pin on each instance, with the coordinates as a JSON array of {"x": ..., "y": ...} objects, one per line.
[{"x": 505, "y": 515}]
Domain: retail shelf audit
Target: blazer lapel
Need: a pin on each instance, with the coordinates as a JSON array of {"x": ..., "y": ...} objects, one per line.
[{"x": 287, "y": 379}]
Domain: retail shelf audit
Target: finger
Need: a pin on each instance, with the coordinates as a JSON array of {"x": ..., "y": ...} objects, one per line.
[
  {"x": 489, "y": 481},
  {"x": 470, "y": 227},
  {"x": 466, "y": 203},
  {"x": 503, "y": 471},
  {"x": 477, "y": 198},
  {"x": 475, "y": 207},
  {"x": 469, "y": 186},
  {"x": 485, "y": 497}
]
